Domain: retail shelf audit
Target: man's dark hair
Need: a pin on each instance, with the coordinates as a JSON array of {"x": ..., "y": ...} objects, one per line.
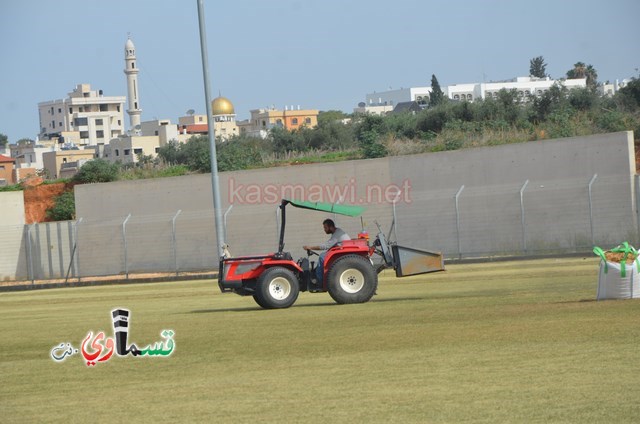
[{"x": 329, "y": 222}]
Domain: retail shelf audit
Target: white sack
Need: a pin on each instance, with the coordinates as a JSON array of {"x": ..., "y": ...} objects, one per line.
[{"x": 612, "y": 286}]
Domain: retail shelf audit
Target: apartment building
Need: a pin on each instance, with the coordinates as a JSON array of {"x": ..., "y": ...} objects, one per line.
[{"x": 95, "y": 118}]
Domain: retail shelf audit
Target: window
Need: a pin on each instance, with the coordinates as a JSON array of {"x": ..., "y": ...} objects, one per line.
[
  {"x": 84, "y": 134},
  {"x": 59, "y": 110},
  {"x": 133, "y": 65},
  {"x": 2, "y": 167},
  {"x": 118, "y": 108},
  {"x": 456, "y": 97},
  {"x": 279, "y": 123},
  {"x": 59, "y": 124},
  {"x": 137, "y": 151},
  {"x": 119, "y": 122},
  {"x": 81, "y": 109},
  {"x": 199, "y": 118},
  {"x": 100, "y": 134},
  {"x": 104, "y": 107},
  {"x": 127, "y": 152},
  {"x": 53, "y": 124},
  {"x": 307, "y": 121},
  {"x": 64, "y": 160},
  {"x": 264, "y": 124},
  {"x": 135, "y": 105},
  {"x": 469, "y": 97},
  {"x": 157, "y": 149},
  {"x": 294, "y": 121},
  {"x": 80, "y": 121},
  {"x": 99, "y": 122},
  {"x": 117, "y": 152},
  {"x": 70, "y": 110}
]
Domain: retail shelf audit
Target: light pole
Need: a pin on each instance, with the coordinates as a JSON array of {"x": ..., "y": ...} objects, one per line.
[{"x": 215, "y": 184}]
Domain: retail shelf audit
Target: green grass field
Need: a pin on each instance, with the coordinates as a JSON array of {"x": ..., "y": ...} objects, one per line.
[{"x": 521, "y": 342}]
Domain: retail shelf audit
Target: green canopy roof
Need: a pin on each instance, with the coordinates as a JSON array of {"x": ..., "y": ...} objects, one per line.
[{"x": 347, "y": 210}]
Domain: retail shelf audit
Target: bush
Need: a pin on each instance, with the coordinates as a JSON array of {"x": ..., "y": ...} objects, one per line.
[
  {"x": 64, "y": 208},
  {"x": 97, "y": 171},
  {"x": 371, "y": 147}
]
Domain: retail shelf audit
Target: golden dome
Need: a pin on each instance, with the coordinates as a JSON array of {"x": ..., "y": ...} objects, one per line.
[{"x": 222, "y": 106}]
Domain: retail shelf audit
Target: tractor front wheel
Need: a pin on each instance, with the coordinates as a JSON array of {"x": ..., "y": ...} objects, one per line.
[
  {"x": 352, "y": 279},
  {"x": 276, "y": 288}
]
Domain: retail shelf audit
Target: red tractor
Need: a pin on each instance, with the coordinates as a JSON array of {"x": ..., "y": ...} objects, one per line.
[{"x": 350, "y": 276}]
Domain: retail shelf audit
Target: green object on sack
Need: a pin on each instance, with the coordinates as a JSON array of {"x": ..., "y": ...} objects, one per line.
[{"x": 623, "y": 248}]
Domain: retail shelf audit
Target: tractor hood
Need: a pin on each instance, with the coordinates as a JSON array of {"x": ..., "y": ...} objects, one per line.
[{"x": 348, "y": 210}]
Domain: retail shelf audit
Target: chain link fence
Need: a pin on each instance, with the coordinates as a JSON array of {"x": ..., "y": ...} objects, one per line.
[{"x": 519, "y": 218}]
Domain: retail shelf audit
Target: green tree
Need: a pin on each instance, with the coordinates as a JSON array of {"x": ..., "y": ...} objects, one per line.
[
  {"x": 196, "y": 154},
  {"x": 4, "y": 140},
  {"x": 236, "y": 154},
  {"x": 630, "y": 94},
  {"x": 97, "y": 171},
  {"x": 580, "y": 70},
  {"x": 371, "y": 146},
  {"x": 285, "y": 141},
  {"x": 170, "y": 153},
  {"x": 330, "y": 116},
  {"x": 437, "y": 95},
  {"x": 64, "y": 208},
  {"x": 537, "y": 67}
]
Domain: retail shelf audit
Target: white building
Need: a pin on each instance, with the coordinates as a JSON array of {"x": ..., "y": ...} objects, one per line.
[
  {"x": 609, "y": 89},
  {"x": 393, "y": 97},
  {"x": 96, "y": 118},
  {"x": 525, "y": 86},
  {"x": 127, "y": 148},
  {"x": 164, "y": 130}
]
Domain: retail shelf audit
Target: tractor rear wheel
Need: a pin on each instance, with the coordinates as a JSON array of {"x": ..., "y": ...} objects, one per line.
[
  {"x": 352, "y": 279},
  {"x": 277, "y": 287}
]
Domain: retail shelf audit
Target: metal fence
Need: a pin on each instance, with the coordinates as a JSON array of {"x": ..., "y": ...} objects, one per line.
[{"x": 518, "y": 218}]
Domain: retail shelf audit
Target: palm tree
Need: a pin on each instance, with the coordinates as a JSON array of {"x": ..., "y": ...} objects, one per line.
[{"x": 580, "y": 70}]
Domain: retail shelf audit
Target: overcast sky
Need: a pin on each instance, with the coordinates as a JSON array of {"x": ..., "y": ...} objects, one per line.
[{"x": 323, "y": 54}]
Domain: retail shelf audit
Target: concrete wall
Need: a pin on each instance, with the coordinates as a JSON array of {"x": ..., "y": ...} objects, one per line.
[
  {"x": 12, "y": 259},
  {"x": 489, "y": 219}
]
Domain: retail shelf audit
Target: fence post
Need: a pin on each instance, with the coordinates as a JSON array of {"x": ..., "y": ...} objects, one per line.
[
  {"x": 73, "y": 252},
  {"x": 38, "y": 249},
  {"x": 458, "y": 221},
  {"x": 124, "y": 238},
  {"x": 29, "y": 255},
  {"x": 395, "y": 217},
  {"x": 225, "y": 217},
  {"x": 524, "y": 228},
  {"x": 593, "y": 179},
  {"x": 173, "y": 241},
  {"x": 60, "y": 252},
  {"x": 49, "y": 256}
]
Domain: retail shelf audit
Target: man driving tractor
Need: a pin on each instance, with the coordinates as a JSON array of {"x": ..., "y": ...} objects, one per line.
[{"x": 337, "y": 236}]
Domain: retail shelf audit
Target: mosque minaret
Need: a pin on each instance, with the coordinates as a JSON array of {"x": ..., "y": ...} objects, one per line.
[{"x": 131, "y": 70}]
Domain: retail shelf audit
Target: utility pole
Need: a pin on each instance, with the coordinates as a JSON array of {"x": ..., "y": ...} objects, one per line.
[{"x": 215, "y": 184}]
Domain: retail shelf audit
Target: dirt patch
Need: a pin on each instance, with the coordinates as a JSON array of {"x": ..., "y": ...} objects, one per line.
[{"x": 39, "y": 198}]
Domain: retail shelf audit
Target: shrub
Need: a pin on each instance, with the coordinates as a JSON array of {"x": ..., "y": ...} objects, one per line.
[
  {"x": 64, "y": 208},
  {"x": 97, "y": 171}
]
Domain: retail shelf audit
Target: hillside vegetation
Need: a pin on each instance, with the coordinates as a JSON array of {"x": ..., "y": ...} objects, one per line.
[{"x": 450, "y": 125}]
